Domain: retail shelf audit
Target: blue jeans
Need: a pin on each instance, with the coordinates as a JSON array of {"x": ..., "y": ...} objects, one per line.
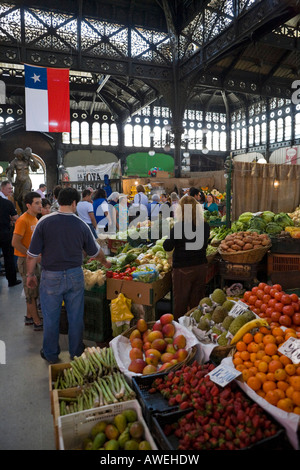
[{"x": 56, "y": 287}]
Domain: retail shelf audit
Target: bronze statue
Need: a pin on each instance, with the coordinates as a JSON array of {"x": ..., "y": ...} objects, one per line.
[{"x": 20, "y": 165}]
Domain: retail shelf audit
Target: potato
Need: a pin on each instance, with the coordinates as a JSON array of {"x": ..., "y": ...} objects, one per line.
[{"x": 248, "y": 246}]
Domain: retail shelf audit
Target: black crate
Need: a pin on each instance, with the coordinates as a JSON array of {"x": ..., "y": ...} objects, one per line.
[
  {"x": 151, "y": 403},
  {"x": 285, "y": 245},
  {"x": 277, "y": 442}
]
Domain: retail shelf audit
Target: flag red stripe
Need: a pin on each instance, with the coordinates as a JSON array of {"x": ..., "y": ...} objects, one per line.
[{"x": 58, "y": 100}]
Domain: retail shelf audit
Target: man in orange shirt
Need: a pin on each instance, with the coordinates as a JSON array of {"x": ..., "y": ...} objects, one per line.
[{"x": 23, "y": 231}]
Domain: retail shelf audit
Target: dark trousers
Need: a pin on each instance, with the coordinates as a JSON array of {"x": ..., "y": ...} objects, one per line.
[
  {"x": 188, "y": 288},
  {"x": 9, "y": 259}
]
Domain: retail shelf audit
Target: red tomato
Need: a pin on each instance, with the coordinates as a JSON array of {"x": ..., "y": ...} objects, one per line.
[
  {"x": 278, "y": 306},
  {"x": 286, "y": 299},
  {"x": 263, "y": 307},
  {"x": 258, "y": 303},
  {"x": 294, "y": 297},
  {"x": 254, "y": 290},
  {"x": 267, "y": 289},
  {"x": 252, "y": 299},
  {"x": 247, "y": 295},
  {"x": 296, "y": 319},
  {"x": 266, "y": 298},
  {"x": 288, "y": 310},
  {"x": 285, "y": 320},
  {"x": 275, "y": 316},
  {"x": 255, "y": 310},
  {"x": 278, "y": 295},
  {"x": 277, "y": 287},
  {"x": 262, "y": 285},
  {"x": 259, "y": 294},
  {"x": 273, "y": 292},
  {"x": 295, "y": 306},
  {"x": 269, "y": 311},
  {"x": 272, "y": 303}
]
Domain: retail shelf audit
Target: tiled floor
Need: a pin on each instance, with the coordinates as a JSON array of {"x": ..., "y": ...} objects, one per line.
[{"x": 26, "y": 422}]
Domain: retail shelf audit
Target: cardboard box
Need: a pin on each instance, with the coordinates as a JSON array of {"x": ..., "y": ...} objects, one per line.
[
  {"x": 162, "y": 174},
  {"x": 139, "y": 292}
]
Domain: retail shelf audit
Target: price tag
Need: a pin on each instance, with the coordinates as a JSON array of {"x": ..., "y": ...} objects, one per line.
[
  {"x": 238, "y": 309},
  {"x": 291, "y": 349},
  {"x": 223, "y": 374}
]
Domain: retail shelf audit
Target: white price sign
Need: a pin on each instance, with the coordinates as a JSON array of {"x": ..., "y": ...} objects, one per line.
[
  {"x": 223, "y": 374},
  {"x": 238, "y": 309},
  {"x": 291, "y": 349}
]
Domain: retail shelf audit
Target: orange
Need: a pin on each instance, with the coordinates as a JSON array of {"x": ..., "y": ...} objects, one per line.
[
  {"x": 285, "y": 404},
  {"x": 268, "y": 385},
  {"x": 240, "y": 367},
  {"x": 270, "y": 349},
  {"x": 280, "y": 374},
  {"x": 261, "y": 393},
  {"x": 263, "y": 366},
  {"x": 258, "y": 337},
  {"x": 296, "y": 410},
  {"x": 296, "y": 397},
  {"x": 237, "y": 360},
  {"x": 261, "y": 376},
  {"x": 282, "y": 385},
  {"x": 298, "y": 370},
  {"x": 254, "y": 383},
  {"x": 274, "y": 364},
  {"x": 290, "y": 369},
  {"x": 289, "y": 334},
  {"x": 269, "y": 339},
  {"x": 276, "y": 331},
  {"x": 260, "y": 354},
  {"x": 253, "y": 370},
  {"x": 271, "y": 376},
  {"x": 295, "y": 382},
  {"x": 245, "y": 355},
  {"x": 248, "y": 364},
  {"x": 264, "y": 330},
  {"x": 280, "y": 393},
  {"x": 271, "y": 397},
  {"x": 241, "y": 346},
  {"x": 246, "y": 373},
  {"x": 253, "y": 357},
  {"x": 253, "y": 347},
  {"x": 289, "y": 391},
  {"x": 247, "y": 338},
  {"x": 284, "y": 359}
]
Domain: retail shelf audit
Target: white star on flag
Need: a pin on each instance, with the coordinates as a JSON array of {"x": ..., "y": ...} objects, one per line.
[{"x": 36, "y": 78}]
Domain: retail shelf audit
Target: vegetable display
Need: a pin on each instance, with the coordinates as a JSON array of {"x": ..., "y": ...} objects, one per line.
[{"x": 241, "y": 241}]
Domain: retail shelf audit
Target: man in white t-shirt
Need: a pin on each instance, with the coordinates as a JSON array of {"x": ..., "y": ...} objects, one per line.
[
  {"x": 6, "y": 189},
  {"x": 85, "y": 211}
]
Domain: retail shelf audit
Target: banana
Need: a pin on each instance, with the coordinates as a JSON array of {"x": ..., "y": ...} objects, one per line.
[{"x": 257, "y": 323}]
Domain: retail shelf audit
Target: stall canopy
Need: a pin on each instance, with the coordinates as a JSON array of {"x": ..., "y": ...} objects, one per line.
[{"x": 260, "y": 187}]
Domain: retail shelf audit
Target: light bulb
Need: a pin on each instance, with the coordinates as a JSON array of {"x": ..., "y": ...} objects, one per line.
[
  {"x": 205, "y": 150},
  {"x": 151, "y": 153}
]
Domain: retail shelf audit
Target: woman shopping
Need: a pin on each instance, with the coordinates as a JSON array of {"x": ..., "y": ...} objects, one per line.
[
  {"x": 189, "y": 239},
  {"x": 210, "y": 204}
]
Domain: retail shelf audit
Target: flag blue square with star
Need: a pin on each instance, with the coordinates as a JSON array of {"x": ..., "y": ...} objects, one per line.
[{"x": 36, "y": 77}]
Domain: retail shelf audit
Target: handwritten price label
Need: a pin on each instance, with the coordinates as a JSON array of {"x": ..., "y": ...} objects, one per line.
[
  {"x": 291, "y": 349},
  {"x": 238, "y": 309},
  {"x": 223, "y": 374}
]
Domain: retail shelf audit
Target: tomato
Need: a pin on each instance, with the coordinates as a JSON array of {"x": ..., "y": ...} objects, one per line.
[
  {"x": 127, "y": 278},
  {"x": 272, "y": 303},
  {"x": 269, "y": 311},
  {"x": 286, "y": 299},
  {"x": 266, "y": 298},
  {"x": 252, "y": 299},
  {"x": 267, "y": 289},
  {"x": 258, "y": 303},
  {"x": 278, "y": 295},
  {"x": 288, "y": 310},
  {"x": 277, "y": 287},
  {"x": 263, "y": 307},
  {"x": 296, "y": 319},
  {"x": 285, "y": 320},
  {"x": 278, "y": 306},
  {"x": 295, "y": 306},
  {"x": 255, "y": 310},
  {"x": 247, "y": 295},
  {"x": 254, "y": 290},
  {"x": 259, "y": 294},
  {"x": 275, "y": 316},
  {"x": 109, "y": 274},
  {"x": 294, "y": 297},
  {"x": 116, "y": 276},
  {"x": 273, "y": 292},
  {"x": 262, "y": 285}
]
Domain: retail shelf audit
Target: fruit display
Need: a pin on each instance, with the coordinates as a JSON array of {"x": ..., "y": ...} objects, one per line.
[
  {"x": 242, "y": 241},
  {"x": 217, "y": 418},
  {"x": 271, "y": 374},
  {"x": 295, "y": 216},
  {"x": 125, "y": 431},
  {"x": 275, "y": 305}
]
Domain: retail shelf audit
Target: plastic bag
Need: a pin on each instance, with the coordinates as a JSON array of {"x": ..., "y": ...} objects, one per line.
[{"x": 120, "y": 311}]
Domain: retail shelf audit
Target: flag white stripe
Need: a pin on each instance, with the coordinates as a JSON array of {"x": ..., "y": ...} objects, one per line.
[{"x": 36, "y": 111}]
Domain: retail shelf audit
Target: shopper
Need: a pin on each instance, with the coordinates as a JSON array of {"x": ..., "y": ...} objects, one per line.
[
  {"x": 210, "y": 204},
  {"x": 24, "y": 228},
  {"x": 101, "y": 210},
  {"x": 153, "y": 208},
  {"x": 85, "y": 211},
  {"x": 195, "y": 192},
  {"x": 6, "y": 190},
  {"x": 189, "y": 239},
  {"x": 61, "y": 238},
  {"x": 46, "y": 207},
  {"x": 8, "y": 215},
  {"x": 42, "y": 189},
  {"x": 55, "y": 206},
  {"x": 140, "y": 197}
]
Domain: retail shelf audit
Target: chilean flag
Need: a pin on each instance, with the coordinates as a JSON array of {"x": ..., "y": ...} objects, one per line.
[{"x": 47, "y": 99}]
